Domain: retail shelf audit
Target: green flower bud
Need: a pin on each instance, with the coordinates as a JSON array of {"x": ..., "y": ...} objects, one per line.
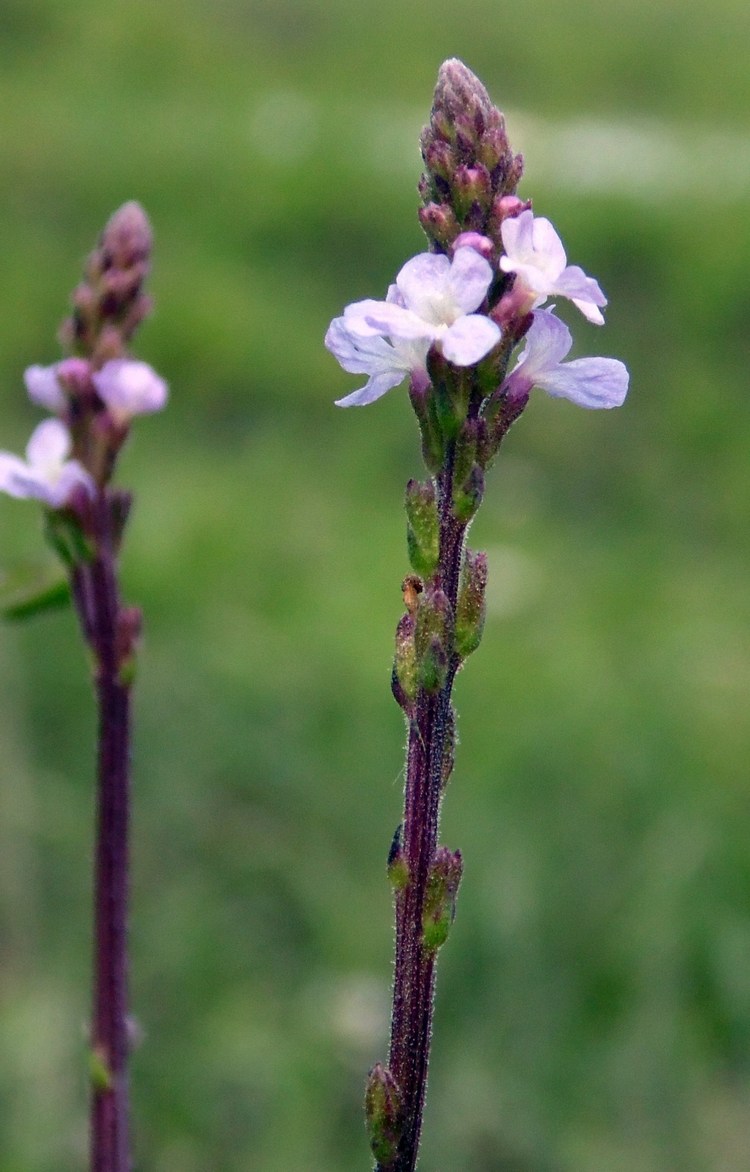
[
  {"x": 439, "y": 908},
  {"x": 404, "y": 680},
  {"x": 471, "y": 606},
  {"x": 467, "y": 497},
  {"x": 398, "y": 868},
  {"x": 384, "y": 1116},
  {"x": 433, "y": 636},
  {"x": 423, "y": 527}
]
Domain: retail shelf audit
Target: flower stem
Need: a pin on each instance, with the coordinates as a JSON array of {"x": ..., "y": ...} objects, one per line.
[
  {"x": 96, "y": 595},
  {"x": 414, "y": 972}
]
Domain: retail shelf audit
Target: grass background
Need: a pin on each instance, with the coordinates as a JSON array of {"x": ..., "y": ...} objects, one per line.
[{"x": 594, "y": 998}]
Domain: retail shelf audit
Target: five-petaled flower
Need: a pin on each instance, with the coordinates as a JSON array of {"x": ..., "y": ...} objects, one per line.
[
  {"x": 46, "y": 474},
  {"x": 589, "y": 382},
  {"x": 432, "y": 303},
  {"x": 535, "y": 253}
]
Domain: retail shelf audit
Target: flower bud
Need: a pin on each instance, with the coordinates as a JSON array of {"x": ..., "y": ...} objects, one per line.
[
  {"x": 127, "y": 237},
  {"x": 384, "y": 1116},
  {"x": 467, "y": 497},
  {"x": 471, "y": 605},
  {"x": 404, "y": 678},
  {"x": 439, "y": 908},
  {"x": 422, "y": 399},
  {"x": 398, "y": 868},
  {"x": 433, "y": 637},
  {"x": 439, "y": 223},
  {"x": 468, "y": 159},
  {"x": 422, "y": 527},
  {"x": 471, "y": 187}
]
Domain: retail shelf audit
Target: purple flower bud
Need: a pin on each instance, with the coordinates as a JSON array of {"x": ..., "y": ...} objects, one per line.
[{"x": 481, "y": 244}]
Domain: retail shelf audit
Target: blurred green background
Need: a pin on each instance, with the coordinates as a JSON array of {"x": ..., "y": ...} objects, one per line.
[{"x": 594, "y": 997}]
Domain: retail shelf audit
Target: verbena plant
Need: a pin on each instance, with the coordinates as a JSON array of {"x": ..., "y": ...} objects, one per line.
[
  {"x": 452, "y": 324},
  {"x": 92, "y": 395}
]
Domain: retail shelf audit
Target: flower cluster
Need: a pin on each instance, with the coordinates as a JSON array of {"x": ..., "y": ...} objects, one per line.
[
  {"x": 434, "y": 303},
  {"x": 122, "y": 389},
  {"x": 94, "y": 394},
  {"x": 484, "y": 286}
]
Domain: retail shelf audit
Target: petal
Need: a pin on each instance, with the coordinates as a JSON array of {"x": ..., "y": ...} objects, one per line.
[
  {"x": 374, "y": 389},
  {"x": 422, "y": 281},
  {"x": 547, "y": 245},
  {"x": 50, "y": 443},
  {"x": 72, "y": 475},
  {"x": 517, "y": 234},
  {"x": 583, "y": 291},
  {"x": 356, "y": 315},
  {"x": 470, "y": 339},
  {"x": 130, "y": 388},
  {"x": 589, "y": 382},
  {"x": 469, "y": 279},
  {"x": 43, "y": 387},
  {"x": 383, "y": 317},
  {"x": 548, "y": 340},
  {"x": 358, "y": 355},
  {"x": 15, "y": 476}
]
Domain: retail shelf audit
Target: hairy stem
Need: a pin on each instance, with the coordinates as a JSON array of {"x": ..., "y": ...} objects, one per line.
[
  {"x": 414, "y": 973},
  {"x": 96, "y": 594}
]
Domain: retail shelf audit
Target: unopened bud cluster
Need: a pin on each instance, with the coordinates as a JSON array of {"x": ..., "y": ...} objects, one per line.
[{"x": 470, "y": 168}]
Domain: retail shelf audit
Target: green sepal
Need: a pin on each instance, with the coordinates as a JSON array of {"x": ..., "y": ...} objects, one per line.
[
  {"x": 422, "y": 398},
  {"x": 471, "y": 607},
  {"x": 422, "y": 527},
  {"x": 384, "y": 1114},
  {"x": 31, "y": 590}
]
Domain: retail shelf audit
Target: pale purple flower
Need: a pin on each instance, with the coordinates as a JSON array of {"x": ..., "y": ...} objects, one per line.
[
  {"x": 46, "y": 474},
  {"x": 589, "y": 382},
  {"x": 534, "y": 252},
  {"x": 46, "y": 384},
  {"x": 432, "y": 303},
  {"x": 129, "y": 388},
  {"x": 387, "y": 361},
  {"x": 44, "y": 388}
]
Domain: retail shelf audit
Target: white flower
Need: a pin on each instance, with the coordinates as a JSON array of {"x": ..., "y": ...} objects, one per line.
[
  {"x": 589, "y": 382},
  {"x": 432, "y": 303},
  {"x": 534, "y": 252},
  {"x": 129, "y": 388},
  {"x": 46, "y": 474}
]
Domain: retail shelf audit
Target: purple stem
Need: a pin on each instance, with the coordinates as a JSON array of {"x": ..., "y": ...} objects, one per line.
[
  {"x": 96, "y": 595},
  {"x": 414, "y": 973}
]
